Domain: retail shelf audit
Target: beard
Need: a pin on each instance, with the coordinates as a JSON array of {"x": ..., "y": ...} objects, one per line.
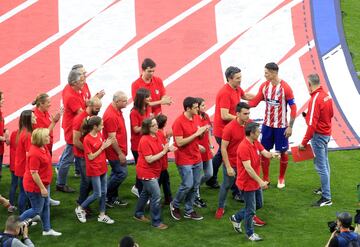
[{"x": 94, "y": 113}]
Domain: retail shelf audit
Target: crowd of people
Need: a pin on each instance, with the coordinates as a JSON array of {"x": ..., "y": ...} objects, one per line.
[{"x": 93, "y": 141}]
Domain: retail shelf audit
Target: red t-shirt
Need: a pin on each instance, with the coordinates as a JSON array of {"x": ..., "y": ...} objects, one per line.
[
  {"x": 43, "y": 120},
  {"x": 22, "y": 148},
  {"x": 97, "y": 166},
  {"x": 39, "y": 159},
  {"x": 149, "y": 145},
  {"x": 114, "y": 122},
  {"x": 13, "y": 150},
  {"x": 190, "y": 153},
  {"x": 234, "y": 133},
  {"x": 73, "y": 101},
  {"x": 156, "y": 88},
  {"x": 204, "y": 139},
  {"x": 2, "y": 123},
  {"x": 162, "y": 137},
  {"x": 136, "y": 119},
  {"x": 248, "y": 151},
  {"x": 77, "y": 122},
  {"x": 226, "y": 98}
]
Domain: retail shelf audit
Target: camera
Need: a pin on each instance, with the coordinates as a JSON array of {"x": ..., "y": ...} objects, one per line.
[
  {"x": 357, "y": 216},
  {"x": 332, "y": 226},
  {"x": 28, "y": 222}
]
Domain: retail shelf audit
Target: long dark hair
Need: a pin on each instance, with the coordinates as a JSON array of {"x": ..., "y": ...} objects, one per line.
[
  {"x": 89, "y": 123},
  {"x": 139, "y": 101},
  {"x": 200, "y": 101},
  {"x": 25, "y": 123}
]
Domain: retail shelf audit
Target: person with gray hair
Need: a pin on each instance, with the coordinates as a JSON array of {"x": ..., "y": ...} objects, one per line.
[
  {"x": 114, "y": 127},
  {"x": 318, "y": 119},
  {"x": 13, "y": 229},
  {"x": 248, "y": 179},
  {"x": 75, "y": 95}
]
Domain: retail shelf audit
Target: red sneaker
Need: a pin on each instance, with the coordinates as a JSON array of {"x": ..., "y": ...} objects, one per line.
[
  {"x": 219, "y": 213},
  {"x": 258, "y": 222}
]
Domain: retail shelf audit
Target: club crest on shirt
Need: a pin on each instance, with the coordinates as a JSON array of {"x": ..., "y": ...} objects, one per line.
[{"x": 157, "y": 91}]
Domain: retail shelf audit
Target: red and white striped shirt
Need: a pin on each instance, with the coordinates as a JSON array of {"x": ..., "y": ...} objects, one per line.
[{"x": 276, "y": 98}]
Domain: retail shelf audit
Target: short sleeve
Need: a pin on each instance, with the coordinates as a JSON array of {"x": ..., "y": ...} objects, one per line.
[
  {"x": 244, "y": 154},
  {"x": 110, "y": 124},
  {"x": 177, "y": 129},
  {"x": 73, "y": 104},
  {"x": 225, "y": 101},
  {"x": 227, "y": 133},
  {"x": 145, "y": 147},
  {"x": 34, "y": 163},
  {"x": 134, "y": 119},
  {"x": 87, "y": 146}
]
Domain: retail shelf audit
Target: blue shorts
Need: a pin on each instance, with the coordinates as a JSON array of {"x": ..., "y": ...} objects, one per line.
[{"x": 271, "y": 136}]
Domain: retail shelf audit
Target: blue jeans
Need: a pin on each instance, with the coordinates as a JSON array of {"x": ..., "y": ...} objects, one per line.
[
  {"x": 227, "y": 183},
  {"x": 13, "y": 187},
  {"x": 320, "y": 146},
  {"x": 66, "y": 159},
  {"x": 216, "y": 161},
  {"x": 99, "y": 188},
  {"x": 39, "y": 206},
  {"x": 208, "y": 173},
  {"x": 190, "y": 182},
  {"x": 253, "y": 201},
  {"x": 151, "y": 189},
  {"x": 22, "y": 197},
  {"x": 85, "y": 183},
  {"x": 118, "y": 174}
]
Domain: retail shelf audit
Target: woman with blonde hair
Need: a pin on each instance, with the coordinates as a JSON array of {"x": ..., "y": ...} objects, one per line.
[{"x": 37, "y": 180}]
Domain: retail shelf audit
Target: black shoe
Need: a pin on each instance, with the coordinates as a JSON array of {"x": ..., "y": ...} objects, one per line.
[
  {"x": 322, "y": 202},
  {"x": 214, "y": 185},
  {"x": 200, "y": 203},
  {"x": 318, "y": 191}
]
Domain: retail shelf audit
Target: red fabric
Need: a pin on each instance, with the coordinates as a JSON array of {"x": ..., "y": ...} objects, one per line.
[
  {"x": 43, "y": 120},
  {"x": 2, "y": 123},
  {"x": 13, "y": 150},
  {"x": 73, "y": 101},
  {"x": 23, "y": 146},
  {"x": 276, "y": 99},
  {"x": 136, "y": 119},
  {"x": 97, "y": 166},
  {"x": 114, "y": 122},
  {"x": 156, "y": 88},
  {"x": 162, "y": 137},
  {"x": 149, "y": 145},
  {"x": 204, "y": 139},
  {"x": 234, "y": 133},
  {"x": 226, "y": 98},
  {"x": 319, "y": 115},
  {"x": 76, "y": 126},
  {"x": 39, "y": 159},
  {"x": 248, "y": 151},
  {"x": 190, "y": 153}
]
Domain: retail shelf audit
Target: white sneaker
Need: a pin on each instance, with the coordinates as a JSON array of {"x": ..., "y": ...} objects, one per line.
[
  {"x": 255, "y": 237},
  {"x": 105, "y": 219},
  {"x": 80, "y": 214},
  {"x": 54, "y": 202},
  {"x": 135, "y": 191},
  {"x": 51, "y": 232},
  {"x": 281, "y": 184}
]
